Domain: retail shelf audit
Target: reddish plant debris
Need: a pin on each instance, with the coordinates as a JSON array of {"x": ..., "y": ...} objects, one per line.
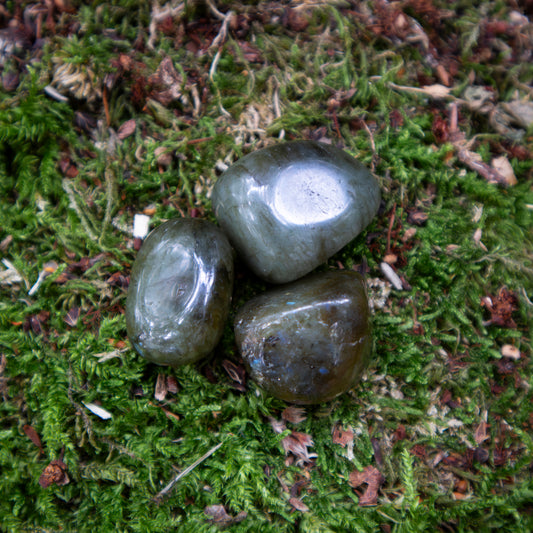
[
  {"x": 126, "y": 129},
  {"x": 396, "y": 119},
  {"x": 439, "y": 128},
  {"x": 481, "y": 434},
  {"x": 118, "y": 280},
  {"x": 297, "y": 444},
  {"x": 277, "y": 425},
  {"x": 378, "y": 455},
  {"x": 293, "y": 414},
  {"x": 295, "y": 19},
  {"x": 296, "y": 489},
  {"x": 417, "y": 217},
  {"x": 400, "y": 433},
  {"x": 168, "y": 414},
  {"x": 67, "y": 167},
  {"x": 54, "y": 473},
  {"x": 218, "y": 515},
  {"x": 250, "y": 52},
  {"x": 501, "y": 308},
  {"x": 418, "y": 450},
  {"x": 342, "y": 436},
  {"x": 447, "y": 399},
  {"x": 237, "y": 373},
  {"x": 373, "y": 479},
  {"x": 33, "y": 436},
  {"x": 172, "y": 385},
  {"x": 36, "y": 322},
  {"x": 85, "y": 263},
  {"x": 72, "y": 316},
  {"x": 298, "y": 505}
]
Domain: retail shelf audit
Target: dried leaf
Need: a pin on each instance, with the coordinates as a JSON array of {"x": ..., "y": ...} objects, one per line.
[
  {"x": 419, "y": 218},
  {"x": 481, "y": 434},
  {"x": 220, "y": 517},
  {"x": 504, "y": 168},
  {"x": 217, "y": 513},
  {"x": 54, "y": 473},
  {"x": 161, "y": 387},
  {"x": 342, "y": 436},
  {"x": 373, "y": 478},
  {"x": 71, "y": 318},
  {"x": 277, "y": 425},
  {"x": 298, "y": 505},
  {"x": 479, "y": 98},
  {"x": 126, "y": 129},
  {"x": 521, "y": 111},
  {"x": 33, "y": 436},
  {"x": 501, "y": 308},
  {"x": 36, "y": 322},
  {"x": 168, "y": 81},
  {"x": 237, "y": 373},
  {"x": 172, "y": 384},
  {"x": 118, "y": 280},
  {"x": 297, "y": 444},
  {"x": 293, "y": 414}
]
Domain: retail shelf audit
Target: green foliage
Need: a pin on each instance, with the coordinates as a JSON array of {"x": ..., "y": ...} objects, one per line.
[
  {"x": 31, "y": 128},
  {"x": 438, "y": 374}
]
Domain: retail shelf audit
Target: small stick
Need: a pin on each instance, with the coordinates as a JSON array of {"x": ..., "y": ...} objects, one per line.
[
  {"x": 162, "y": 492},
  {"x": 106, "y": 107},
  {"x": 372, "y": 146},
  {"x": 197, "y": 141}
]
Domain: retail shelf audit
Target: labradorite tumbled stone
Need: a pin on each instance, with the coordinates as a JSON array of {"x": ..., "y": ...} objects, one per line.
[
  {"x": 180, "y": 292},
  {"x": 308, "y": 341},
  {"x": 289, "y": 207}
]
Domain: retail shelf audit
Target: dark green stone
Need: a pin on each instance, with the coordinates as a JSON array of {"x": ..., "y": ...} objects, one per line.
[
  {"x": 289, "y": 207},
  {"x": 180, "y": 292},
  {"x": 308, "y": 341}
]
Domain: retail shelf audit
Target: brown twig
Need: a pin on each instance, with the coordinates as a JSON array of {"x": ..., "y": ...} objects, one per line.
[{"x": 471, "y": 159}]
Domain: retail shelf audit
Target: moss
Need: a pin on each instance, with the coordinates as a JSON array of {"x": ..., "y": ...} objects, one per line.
[{"x": 441, "y": 413}]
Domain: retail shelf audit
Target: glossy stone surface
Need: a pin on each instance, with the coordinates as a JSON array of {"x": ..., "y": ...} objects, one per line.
[
  {"x": 180, "y": 292},
  {"x": 308, "y": 341},
  {"x": 288, "y": 208}
]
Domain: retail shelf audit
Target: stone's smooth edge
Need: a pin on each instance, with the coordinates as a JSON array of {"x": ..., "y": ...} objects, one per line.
[
  {"x": 277, "y": 251},
  {"x": 191, "y": 261},
  {"x": 322, "y": 322}
]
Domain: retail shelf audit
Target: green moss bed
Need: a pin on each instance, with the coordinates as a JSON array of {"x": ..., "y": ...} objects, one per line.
[{"x": 111, "y": 109}]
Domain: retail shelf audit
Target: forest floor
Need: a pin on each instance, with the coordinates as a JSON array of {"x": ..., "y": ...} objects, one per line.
[{"x": 112, "y": 109}]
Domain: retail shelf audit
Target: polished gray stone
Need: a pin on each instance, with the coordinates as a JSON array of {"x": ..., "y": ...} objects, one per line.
[
  {"x": 308, "y": 341},
  {"x": 180, "y": 292},
  {"x": 289, "y": 207}
]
